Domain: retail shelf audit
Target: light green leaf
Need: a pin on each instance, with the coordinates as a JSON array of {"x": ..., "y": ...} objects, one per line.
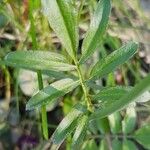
[
  {"x": 89, "y": 145},
  {"x": 97, "y": 29},
  {"x": 109, "y": 94},
  {"x": 128, "y": 145},
  {"x": 103, "y": 145},
  {"x": 67, "y": 125},
  {"x": 38, "y": 60},
  {"x": 115, "y": 122},
  {"x": 80, "y": 132},
  {"x": 137, "y": 91},
  {"x": 142, "y": 136},
  {"x": 116, "y": 144},
  {"x": 63, "y": 20},
  {"x": 129, "y": 122},
  {"x": 112, "y": 61},
  {"x": 51, "y": 92}
]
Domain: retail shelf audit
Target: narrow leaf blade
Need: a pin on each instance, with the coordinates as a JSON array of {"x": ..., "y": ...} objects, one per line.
[
  {"x": 97, "y": 29},
  {"x": 137, "y": 91},
  {"x": 63, "y": 20},
  {"x": 129, "y": 122},
  {"x": 51, "y": 92},
  {"x": 112, "y": 61},
  {"x": 38, "y": 60},
  {"x": 108, "y": 94},
  {"x": 80, "y": 132},
  {"x": 67, "y": 125}
]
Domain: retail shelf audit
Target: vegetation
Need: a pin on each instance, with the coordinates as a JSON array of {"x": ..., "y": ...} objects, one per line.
[{"x": 80, "y": 75}]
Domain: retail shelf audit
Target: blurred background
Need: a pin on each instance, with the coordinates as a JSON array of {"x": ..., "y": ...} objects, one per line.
[{"x": 21, "y": 21}]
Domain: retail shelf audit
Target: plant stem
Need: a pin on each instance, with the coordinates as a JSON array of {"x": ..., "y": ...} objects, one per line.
[
  {"x": 85, "y": 91},
  {"x": 39, "y": 74},
  {"x": 43, "y": 109}
]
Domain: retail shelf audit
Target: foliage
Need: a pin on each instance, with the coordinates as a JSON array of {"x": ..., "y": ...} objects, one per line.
[{"x": 92, "y": 109}]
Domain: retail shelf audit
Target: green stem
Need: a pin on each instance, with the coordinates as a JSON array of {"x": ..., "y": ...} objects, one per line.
[
  {"x": 43, "y": 109},
  {"x": 39, "y": 74},
  {"x": 85, "y": 91}
]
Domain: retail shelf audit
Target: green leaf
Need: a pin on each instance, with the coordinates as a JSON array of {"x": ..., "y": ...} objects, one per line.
[
  {"x": 108, "y": 94},
  {"x": 51, "y": 92},
  {"x": 112, "y": 61},
  {"x": 38, "y": 60},
  {"x": 137, "y": 91},
  {"x": 67, "y": 125},
  {"x": 128, "y": 145},
  {"x": 63, "y": 20},
  {"x": 103, "y": 145},
  {"x": 129, "y": 122},
  {"x": 115, "y": 122},
  {"x": 103, "y": 125},
  {"x": 80, "y": 132},
  {"x": 97, "y": 29},
  {"x": 142, "y": 136},
  {"x": 116, "y": 144},
  {"x": 89, "y": 145}
]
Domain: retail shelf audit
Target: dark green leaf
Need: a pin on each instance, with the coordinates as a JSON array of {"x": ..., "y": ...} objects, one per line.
[
  {"x": 116, "y": 145},
  {"x": 51, "y": 92},
  {"x": 97, "y": 28},
  {"x": 108, "y": 94},
  {"x": 63, "y": 20},
  {"x": 142, "y": 136},
  {"x": 67, "y": 125},
  {"x": 137, "y": 91},
  {"x": 128, "y": 145},
  {"x": 103, "y": 125},
  {"x": 38, "y": 60},
  {"x": 112, "y": 61},
  {"x": 80, "y": 132},
  {"x": 129, "y": 122}
]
